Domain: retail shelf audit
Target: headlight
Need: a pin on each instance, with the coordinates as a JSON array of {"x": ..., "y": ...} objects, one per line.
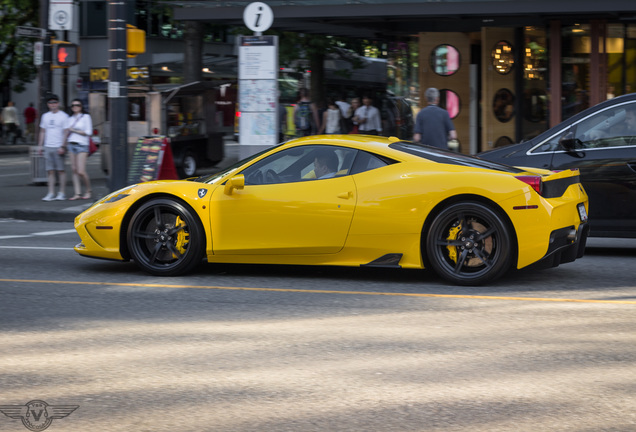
[{"x": 117, "y": 195}]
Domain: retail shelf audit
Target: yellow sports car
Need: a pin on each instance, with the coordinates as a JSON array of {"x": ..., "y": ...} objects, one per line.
[{"x": 347, "y": 200}]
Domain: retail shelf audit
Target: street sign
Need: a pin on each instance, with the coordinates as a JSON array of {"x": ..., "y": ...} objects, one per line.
[
  {"x": 35, "y": 32},
  {"x": 38, "y": 53},
  {"x": 60, "y": 15},
  {"x": 258, "y": 17}
]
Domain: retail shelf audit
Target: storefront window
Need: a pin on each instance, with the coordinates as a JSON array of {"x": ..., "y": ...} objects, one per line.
[
  {"x": 630, "y": 59},
  {"x": 575, "y": 69},
  {"x": 535, "y": 82},
  {"x": 502, "y": 57},
  {"x": 503, "y": 105},
  {"x": 445, "y": 60},
  {"x": 449, "y": 100}
]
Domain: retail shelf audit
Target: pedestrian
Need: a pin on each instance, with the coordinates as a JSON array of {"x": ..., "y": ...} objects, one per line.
[
  {"x": 51, "y": 141},
  {"x": 351, "y": 112},
  {"x": 433, "y": 125},
  {"x": 79, "y": 127},
  {"x": 11, "y": 122},
  {"x": 368, "y": 117},
  {"x": 30, "y": 114},
  {"x": 331, "y": 119},
  {"x": 343, "y": 105},
  {"x": 305, "y": 115}
]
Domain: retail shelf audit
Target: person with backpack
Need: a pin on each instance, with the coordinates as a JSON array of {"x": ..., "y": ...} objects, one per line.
[{"x": 305, "y": 115}]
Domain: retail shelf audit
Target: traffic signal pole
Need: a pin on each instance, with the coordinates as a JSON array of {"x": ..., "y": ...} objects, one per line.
[
  {"x": 47, "y": 58},
  {"x": 118, "y": 94}
]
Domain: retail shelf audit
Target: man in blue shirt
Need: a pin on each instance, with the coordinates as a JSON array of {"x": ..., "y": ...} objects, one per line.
[{"x": 433, "y": 125}]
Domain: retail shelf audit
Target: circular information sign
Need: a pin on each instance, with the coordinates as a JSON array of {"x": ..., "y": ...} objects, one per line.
[{"x": 258, "y": 16}]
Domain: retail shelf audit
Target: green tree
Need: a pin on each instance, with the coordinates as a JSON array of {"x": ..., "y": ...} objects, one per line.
[{"x": 16, "y": 54}]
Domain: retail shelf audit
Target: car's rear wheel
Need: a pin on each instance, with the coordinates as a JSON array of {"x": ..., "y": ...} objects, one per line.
[
  {"x": 468, "y": 243},
  {"x": 165, "y": 238}
]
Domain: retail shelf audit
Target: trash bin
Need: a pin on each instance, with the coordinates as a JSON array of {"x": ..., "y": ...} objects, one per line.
[{"x": 38, "y": 168}]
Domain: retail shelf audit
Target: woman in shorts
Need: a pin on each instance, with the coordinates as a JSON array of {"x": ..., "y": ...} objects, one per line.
[{"x": 79, "y": 130}]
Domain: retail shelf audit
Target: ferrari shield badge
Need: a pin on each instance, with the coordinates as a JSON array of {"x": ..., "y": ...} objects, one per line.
[{"x": 202, "y": 192}]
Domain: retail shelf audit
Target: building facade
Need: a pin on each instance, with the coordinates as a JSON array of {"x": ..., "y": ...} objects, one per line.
[{"x": 508, "y": 69}]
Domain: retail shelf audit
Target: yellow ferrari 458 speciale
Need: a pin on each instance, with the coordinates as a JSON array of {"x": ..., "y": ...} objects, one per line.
[{"x": 347, "y": 200}]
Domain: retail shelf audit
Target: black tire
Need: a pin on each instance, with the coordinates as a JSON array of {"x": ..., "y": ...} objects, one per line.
[
  {"x": 165, "y": 238},
  {"x": 468, "y": 243},
  {"x": 188, "y": 167}
]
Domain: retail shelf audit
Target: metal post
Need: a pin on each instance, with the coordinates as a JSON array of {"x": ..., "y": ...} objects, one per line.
[
  {"x": 47, "y": 56},
  {"x": 118, "y": 94}
]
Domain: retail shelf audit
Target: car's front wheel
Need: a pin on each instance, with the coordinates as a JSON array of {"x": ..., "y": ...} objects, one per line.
[
  {"x": 165, "y": 237},
  {"x": 188, "y": 166},
  {"x": 468, "y": 243}
]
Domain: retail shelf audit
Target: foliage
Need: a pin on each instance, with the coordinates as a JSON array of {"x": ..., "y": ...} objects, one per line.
[{"x": 16, "y": 54}]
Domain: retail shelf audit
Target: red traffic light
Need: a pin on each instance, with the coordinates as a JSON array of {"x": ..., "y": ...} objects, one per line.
[{"x": 66, "y": 54}]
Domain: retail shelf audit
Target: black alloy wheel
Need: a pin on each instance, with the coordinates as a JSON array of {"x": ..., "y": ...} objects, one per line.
[
  {"x": 165, "y": 238},
  {"x": 468, "y": 243}
]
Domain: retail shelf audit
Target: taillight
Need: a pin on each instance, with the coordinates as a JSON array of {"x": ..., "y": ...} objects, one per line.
[
  {"x": 238, "y": 113},
  {"x": 534, "y": 181}
]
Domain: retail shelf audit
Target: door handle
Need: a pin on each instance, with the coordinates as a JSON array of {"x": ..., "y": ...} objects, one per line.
[{"x": 346, "y": 195}]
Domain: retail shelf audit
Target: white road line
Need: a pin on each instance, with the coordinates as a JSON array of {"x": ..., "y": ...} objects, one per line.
[
  {"x": 37, "y": 247},
  {"x": 44, "y": 233}
]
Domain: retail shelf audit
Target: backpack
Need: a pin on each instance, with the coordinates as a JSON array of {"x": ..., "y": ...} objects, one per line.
[{"x": 302, "y": 118}]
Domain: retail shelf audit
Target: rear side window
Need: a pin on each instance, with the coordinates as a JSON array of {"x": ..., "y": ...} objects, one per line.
[{"x": 366, "y": 162}]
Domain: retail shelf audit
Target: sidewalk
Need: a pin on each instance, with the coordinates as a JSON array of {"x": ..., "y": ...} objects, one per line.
[{"x": 20, "y": 198}]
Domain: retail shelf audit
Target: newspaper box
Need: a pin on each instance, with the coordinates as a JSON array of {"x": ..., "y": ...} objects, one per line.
[{"x": 38, "y": 169}]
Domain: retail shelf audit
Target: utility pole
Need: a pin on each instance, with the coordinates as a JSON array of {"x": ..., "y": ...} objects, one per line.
[
  {"x": 118, "y": 94},
  {"x": 47, "y": 57}
]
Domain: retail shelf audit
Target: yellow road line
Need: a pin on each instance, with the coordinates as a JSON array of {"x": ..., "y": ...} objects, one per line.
[{"x": 308, "y": 291}]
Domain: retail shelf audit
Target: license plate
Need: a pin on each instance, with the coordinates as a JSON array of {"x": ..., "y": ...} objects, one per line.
[{"x": 582, "y": 212}]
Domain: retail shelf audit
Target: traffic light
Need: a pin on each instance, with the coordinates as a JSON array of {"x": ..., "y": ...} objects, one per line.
[
  {"x": 65, "y": 54},
  {"x": 135, "y": 40}
]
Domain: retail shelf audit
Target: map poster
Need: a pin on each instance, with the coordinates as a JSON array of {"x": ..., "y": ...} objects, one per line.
[
  {"x": 146, "y": 160},
  {"x": 258, "y": 91},
  {"x": 258, "y": 95},
  {"x": 258, "y": 128}
]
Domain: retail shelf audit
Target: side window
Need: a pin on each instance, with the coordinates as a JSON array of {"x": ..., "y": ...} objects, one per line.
[
  {"x": 551, "y": 144},
  {"x": 367, "y": 161},
  {"x": 613, "y": 127},
  {"x": 301, "y": 164}
]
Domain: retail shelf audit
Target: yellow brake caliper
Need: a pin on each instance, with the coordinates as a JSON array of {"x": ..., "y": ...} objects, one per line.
[
  {"x": 453, "y": 233},
  {"x": 182, "y": 236}
]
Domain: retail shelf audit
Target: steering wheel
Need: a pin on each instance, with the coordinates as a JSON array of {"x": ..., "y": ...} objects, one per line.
[{"x": 271, "y": 176}]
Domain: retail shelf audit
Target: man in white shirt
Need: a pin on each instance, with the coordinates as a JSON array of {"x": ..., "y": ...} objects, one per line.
[
  {"x": 368, "y": 117},
  {"x": 51, "y": 140},
  {"x": 343, "y": 105},
  {"x": 11, "y": 121}
]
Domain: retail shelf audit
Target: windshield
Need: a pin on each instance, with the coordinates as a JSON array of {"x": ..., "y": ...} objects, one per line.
[
  {"x": 448, "y": 157},
  {"x": 211, "y": 178}
]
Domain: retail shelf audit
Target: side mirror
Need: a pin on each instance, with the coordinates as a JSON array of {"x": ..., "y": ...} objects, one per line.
[
  {"x": 236, "y": 182},
  {"x": 569, "y": 143}
]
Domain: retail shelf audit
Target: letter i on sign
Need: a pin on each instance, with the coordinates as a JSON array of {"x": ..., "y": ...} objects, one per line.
[{"x": 258, "y": 17}]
